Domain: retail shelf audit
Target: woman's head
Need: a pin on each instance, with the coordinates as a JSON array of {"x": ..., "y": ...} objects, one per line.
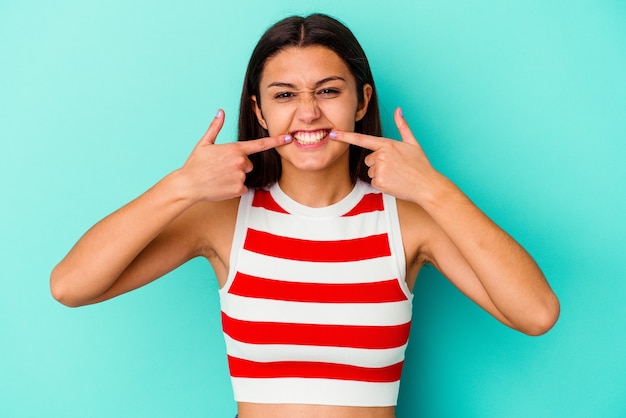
[{"x": 301, "y": 32}]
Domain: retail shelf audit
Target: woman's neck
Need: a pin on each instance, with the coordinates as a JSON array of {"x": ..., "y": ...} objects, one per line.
[{"x": 315, "y": 189}]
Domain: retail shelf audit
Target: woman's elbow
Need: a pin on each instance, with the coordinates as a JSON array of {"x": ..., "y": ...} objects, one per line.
[
  {"x": 61, "y": 290},
  {"x": 544, "y": 318}
]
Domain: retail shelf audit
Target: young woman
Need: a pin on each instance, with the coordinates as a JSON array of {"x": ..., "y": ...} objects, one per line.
[{"x": 316, "y": 228}]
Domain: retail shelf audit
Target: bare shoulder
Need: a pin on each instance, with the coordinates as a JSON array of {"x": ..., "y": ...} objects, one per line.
[
  {"x": 418, "y": 231},
  {"x": 210, "y": 223}
]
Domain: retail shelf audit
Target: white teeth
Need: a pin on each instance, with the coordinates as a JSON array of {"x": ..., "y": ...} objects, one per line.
[{"x": 309, "y": 138}]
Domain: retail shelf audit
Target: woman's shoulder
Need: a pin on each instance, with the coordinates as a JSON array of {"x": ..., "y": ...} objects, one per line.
[
  {"x": 205, "y": 223},
  {"x": 219, "y": 212},
  {"x": 417, "y": 228},
  {"x": 411, "y": 215},
  {"x": 211, "y": 226}
]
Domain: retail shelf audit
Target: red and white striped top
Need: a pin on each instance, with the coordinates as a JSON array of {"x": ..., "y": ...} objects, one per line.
[{"x": 316, "y": 309}]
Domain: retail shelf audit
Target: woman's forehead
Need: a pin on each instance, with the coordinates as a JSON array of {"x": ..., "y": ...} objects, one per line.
[{"x": 304, "y": 67}]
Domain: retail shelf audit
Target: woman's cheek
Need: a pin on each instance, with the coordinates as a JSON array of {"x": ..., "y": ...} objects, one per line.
[
  {"x": 341, "y": 115},
  {"x": 279, "y": 120}
]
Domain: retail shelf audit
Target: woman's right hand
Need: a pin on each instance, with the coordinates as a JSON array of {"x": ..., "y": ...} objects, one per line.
[
  {"x": 159, "y": 230},
  {"x": 216, "y": 172}
]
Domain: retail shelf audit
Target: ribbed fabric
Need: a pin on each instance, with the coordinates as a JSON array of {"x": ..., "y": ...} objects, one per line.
[{"x": 316, "y": 309}]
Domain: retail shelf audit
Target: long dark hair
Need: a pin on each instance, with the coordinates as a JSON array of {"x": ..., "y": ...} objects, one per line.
[{"x": 315, "y": 29}]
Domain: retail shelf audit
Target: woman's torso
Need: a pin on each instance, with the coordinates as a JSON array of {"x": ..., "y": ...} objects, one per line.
[{"x": 220, "y": 235}]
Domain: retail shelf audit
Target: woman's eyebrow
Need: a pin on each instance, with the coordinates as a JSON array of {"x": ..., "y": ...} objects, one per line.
[
  {"x": 317, "y": 84},
  {"x": 327, "y": 79}
]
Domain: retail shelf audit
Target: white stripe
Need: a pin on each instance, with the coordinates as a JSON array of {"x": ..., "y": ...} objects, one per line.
[
  {"x": 314, "y": 272},
  {"x": 325, "y": 229},
  {"x": 395, "y": 241},
  {"x": 340, "y": 355},
  {"x": 263, "y": 310},
  {"x": 334, "y": 210},
  {"x": 315, "y": 391}
]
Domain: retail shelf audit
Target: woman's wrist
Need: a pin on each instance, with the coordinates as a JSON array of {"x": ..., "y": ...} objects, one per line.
[
  {"x": 433, "y": 194},
  {"x": 180, "y": 187}
]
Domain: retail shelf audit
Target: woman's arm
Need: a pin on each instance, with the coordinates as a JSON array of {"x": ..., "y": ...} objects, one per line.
[
  {"x": 105, "y": 252},
  {"x": 158, "y": 231},
  {"x": 526, "y": 305},
  {"x": 471, "y": 250}
]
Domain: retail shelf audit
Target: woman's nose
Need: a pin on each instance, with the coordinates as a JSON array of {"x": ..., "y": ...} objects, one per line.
[{"x": 308, "y": 111}]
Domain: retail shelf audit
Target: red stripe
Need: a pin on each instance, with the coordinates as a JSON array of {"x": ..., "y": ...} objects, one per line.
[
  {"x": 356, "y": 249},
  {"x": 258, "y": 287},
  {"x": 355, "y": 336},
  {"x": 263, "y": 199},
  {"x": 370, "y": 202},
  {"x": 312, "y": 370}
]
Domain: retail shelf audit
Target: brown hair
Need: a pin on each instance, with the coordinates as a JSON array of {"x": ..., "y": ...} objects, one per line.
[{"x": 315, "y": 29}]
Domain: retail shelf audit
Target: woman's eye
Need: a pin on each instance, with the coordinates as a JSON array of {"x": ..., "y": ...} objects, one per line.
[
  {"x": 283, "y": 95},
  {"x": 328, "y": 92}
]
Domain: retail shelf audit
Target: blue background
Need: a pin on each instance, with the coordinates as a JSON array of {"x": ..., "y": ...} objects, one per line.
[{"x": 521, "y": 103}]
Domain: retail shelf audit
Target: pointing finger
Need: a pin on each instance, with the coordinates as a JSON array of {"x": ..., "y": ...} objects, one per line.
[
  {"x": 403, "y": 127},
  {"x": 214, "y": 128},
  {"x": 257, "y": 145},
  {"x": 365, "y": 141}
]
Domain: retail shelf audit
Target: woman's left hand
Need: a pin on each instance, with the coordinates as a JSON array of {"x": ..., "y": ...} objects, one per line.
[
  {"x": 398, "y": 168},
  {"x": 471, "y": 250}
]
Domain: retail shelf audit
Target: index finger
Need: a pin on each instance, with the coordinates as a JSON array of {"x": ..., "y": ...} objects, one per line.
[
  {"x": 210, "y": 135},
  {"x": 365, "y": 141},
  {"x": 253, "y": 146}
]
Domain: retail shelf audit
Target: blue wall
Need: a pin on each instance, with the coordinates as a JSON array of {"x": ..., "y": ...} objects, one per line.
[{"x": 521, "y": 103}]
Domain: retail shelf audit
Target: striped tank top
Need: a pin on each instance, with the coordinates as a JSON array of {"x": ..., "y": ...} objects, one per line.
[{"x": 315, "y": 309}]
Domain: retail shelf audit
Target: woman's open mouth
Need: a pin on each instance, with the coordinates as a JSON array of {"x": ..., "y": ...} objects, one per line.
[{"x": 310, "y": 137}]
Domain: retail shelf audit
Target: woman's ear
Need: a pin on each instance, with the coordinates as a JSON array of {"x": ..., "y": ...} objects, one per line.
[
  {"x": 367, "y": 95},
  {"x": 257, "y": 111}
]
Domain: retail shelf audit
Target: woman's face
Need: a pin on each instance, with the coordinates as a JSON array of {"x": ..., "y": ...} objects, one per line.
[{"x": 307, "y": 92}]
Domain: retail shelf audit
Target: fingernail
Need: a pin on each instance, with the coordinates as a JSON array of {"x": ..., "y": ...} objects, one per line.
[
  {"x": 332, "y": 135},
  {"x": 219, "y": 113},
  {"x": 288, "y": 138},
  {"x": 401, "y": 113}
]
